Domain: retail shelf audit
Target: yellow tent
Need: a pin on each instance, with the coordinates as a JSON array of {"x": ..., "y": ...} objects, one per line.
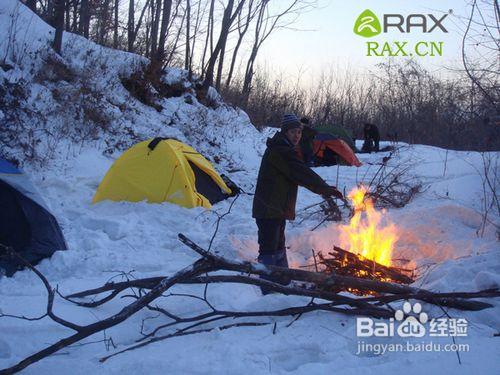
[{"x": 159, "y": 170}]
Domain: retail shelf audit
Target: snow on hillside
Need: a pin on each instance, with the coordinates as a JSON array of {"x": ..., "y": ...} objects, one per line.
[
  {"x": 437, "y": 232},
  {"x": 54, "y": 107}
]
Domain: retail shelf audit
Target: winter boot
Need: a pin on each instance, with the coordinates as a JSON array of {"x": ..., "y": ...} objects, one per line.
[
  {"x": 274, "y": 259},
  {"x": 282, "y": 261}
]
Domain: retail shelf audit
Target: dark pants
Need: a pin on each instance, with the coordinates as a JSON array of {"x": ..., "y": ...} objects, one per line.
[
  {"x": 271, "y": 234},
  {"x": 370, "y": 145},
  {"x": 272, "y": 250}
]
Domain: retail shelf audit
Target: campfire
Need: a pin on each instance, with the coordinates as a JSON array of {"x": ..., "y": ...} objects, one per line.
[
  {"x": 366, "y": 234},
  {"x": 367, "y": 244}
]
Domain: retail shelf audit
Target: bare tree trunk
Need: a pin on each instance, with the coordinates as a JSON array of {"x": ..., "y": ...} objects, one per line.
[
  {"x": 265, "y": 26},
  {"x": 155, "y": 27},
  {"x": 67, "y": 17},
  {"x": 208, "y": 38},
  {"x": 241, "y": 34},
  {"x": 227, "y": 20},
  {"x": 103, "y": 22},
  {"x": 177, "y": 37},
  {"x": 50, "y": 13},
  {"x": 253, "y": 55},
  {"x": 83, "y": 27},
  {"x": 74, "y": 22},
  {"x": 131, "y": 26},
  {"x": 249, "y": 71},
  {"x": 223, "y": 53},
  {"x": 187, "y": 62},
  {"x": 220, "y": 66},
  {"x": 115, "y": 25},
  {"x": 167, "y": 8},
  {"x": 133, "y": 30},
  {"x": 60, "y": 6},
  {"x": 197, "y": 24},
  {"x": 148, "y": 28}
]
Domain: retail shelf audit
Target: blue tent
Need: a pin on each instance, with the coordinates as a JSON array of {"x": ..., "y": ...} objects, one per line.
[{"x": 26, "y": 223}]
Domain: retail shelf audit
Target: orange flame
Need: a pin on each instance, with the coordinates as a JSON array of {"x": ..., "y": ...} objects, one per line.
[{"x": 366, "y": 235}]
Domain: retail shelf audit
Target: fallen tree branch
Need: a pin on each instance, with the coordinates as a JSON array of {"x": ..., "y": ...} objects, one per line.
[
  {"x": 181, "y": 333},
  {"x": 197, "y": 268},
  {"x": 291, "y": 311},
  {"x": 50, "y": 291},
  {"x": 326, "y": 281},
  {"x": 151, "y": 289},
  {"x": 148, "y": 283}
]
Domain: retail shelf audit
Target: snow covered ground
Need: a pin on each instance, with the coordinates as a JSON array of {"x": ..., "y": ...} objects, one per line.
[
  {"x": 107, "y": 238},
  {"x": 437, "y": 230}
]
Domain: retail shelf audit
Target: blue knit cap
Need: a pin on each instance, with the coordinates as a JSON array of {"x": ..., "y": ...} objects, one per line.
[{"x": 290, "y": 121}]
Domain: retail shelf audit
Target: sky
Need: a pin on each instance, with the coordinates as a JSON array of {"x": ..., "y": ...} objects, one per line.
[{"x": 324, "y": 37}]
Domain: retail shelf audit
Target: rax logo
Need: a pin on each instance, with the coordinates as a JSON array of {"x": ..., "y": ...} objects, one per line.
[
  {"x": 413, "y": 21},
  {"x": 368, "y": 25}
]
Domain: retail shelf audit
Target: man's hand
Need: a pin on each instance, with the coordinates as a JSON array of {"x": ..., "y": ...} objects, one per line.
[{"x": 335, "y": 193}]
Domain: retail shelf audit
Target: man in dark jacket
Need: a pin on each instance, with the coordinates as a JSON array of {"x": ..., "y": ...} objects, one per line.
[{"x": 281, "y": 171}]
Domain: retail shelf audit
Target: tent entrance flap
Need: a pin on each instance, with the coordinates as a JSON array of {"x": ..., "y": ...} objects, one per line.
[{"x": 206, "y": 186}]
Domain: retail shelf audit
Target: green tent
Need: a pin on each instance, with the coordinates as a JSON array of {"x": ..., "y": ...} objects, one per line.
[{"x": 339, "y": 131}]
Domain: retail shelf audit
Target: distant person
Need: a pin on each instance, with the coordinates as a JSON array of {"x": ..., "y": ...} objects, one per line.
[
  {"x": 281, "y": 172},
  {"x": 371, "y": 138}
]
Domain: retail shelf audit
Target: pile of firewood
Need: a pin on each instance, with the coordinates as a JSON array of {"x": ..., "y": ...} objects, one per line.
[{"x": 345, "y": 263}]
